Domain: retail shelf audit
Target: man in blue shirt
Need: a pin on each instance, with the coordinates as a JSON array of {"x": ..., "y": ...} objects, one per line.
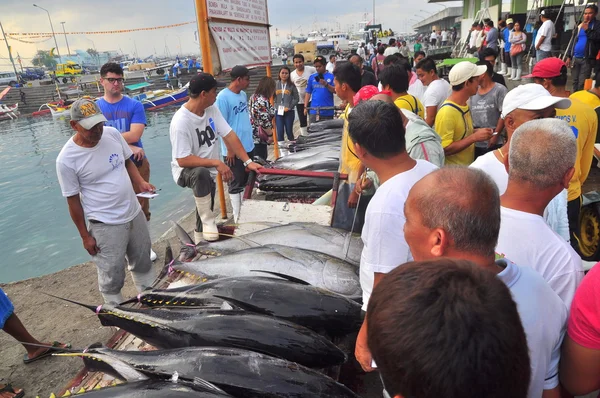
[
  {"x": 233, "y": 104},
  {"x": 506, "y": 28},
  {"x": 319, "y": 92},
  {"x": 582, "y": 53},
  {"x": 126, "y": 115}
]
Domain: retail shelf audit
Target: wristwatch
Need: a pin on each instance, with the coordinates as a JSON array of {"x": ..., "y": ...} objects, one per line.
[{"x": 247, "y": 162}]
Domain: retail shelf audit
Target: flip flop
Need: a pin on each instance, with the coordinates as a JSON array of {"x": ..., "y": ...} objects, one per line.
[
  {"x": 8, "y": 388},
  {"x": 55, "y": 348}
]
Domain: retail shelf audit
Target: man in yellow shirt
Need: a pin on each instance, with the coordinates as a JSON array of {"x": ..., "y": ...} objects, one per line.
[
  {"x": 394, "y": 78},
  {"x": 551, "y": 73},
  {"x": 591, "y": 96},
  {"x": 453, "y": 122},
  {"x": 347, "y": 80}
]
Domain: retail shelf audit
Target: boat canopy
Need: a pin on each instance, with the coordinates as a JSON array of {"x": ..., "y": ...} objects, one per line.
[{"x": 138, "y": 86}]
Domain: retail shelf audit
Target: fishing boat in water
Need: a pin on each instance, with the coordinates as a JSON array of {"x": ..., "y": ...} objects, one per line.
[
  {"x": 156, "y": 99},
  {"x": 8, "y": 112},
  {"x": 61, "y": 106}
]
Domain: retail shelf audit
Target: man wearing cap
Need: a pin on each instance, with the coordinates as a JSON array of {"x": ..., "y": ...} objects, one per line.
[
  {"x": 581, "y": 55},
  {"x": 100, "y": 182},
  {"x": 391, "y": 48},
  {"x": 194, "y": 132},
  {"x": 319, "y": 92},
  {"x": 453, "y": 122},
  {"x": 233, "y": 104},
  {"x": 543, "y": 40},
  {"x": 551, "y": 73},
  {"x": 524, "y": 103}
]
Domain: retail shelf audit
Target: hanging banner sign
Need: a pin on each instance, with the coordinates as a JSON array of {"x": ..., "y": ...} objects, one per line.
[
  {"x": 239, "y": 10},
  {"x": 240, "y": 44}
]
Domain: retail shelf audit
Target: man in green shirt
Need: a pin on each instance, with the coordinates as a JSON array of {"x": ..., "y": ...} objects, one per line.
[{"x": 418, "y": 46}]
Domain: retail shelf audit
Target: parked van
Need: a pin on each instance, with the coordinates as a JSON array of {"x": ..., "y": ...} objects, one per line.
[{"x": 8, "y": 78}]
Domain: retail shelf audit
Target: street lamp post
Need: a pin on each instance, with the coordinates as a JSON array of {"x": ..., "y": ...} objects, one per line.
[
  {"x": 67, "y": 41},
  {"x": 52, "y": 28}
]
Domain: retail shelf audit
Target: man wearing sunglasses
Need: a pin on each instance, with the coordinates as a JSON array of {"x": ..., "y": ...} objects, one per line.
[{"x": 126, "y": 115}]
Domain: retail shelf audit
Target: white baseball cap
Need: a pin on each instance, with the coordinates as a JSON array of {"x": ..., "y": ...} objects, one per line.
[
  {"x": 463, "y": 71},
  {"x": 531, "y": 97}
]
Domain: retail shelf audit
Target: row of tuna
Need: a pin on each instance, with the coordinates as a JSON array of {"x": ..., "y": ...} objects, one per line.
[
  {"x": 260, "y": 325},
  {"x": 318, "y": 151}
]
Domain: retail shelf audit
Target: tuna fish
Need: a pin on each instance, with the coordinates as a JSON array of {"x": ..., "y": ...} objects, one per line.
[
  {"x": 314, "y": 308},
  {"x": 317, "y": 269},
  {"x": 238, "y": 372},
  {"x": 272, "y": 183},
  {"x": 308, "y": 236},
  {"x": 224, "y": 328},
  {"x": 154, "y": 389}
]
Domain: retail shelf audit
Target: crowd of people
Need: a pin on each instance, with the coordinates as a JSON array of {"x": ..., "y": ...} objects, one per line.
[{"x": 467, "y": 196}]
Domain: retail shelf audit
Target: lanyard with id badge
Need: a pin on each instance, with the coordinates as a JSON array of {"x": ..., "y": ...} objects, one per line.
[{"x": 281, "y": 108}]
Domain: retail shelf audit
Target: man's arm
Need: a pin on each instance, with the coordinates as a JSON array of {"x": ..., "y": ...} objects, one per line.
[
  {"x": 430, "y": 111},
  {"x": 478, "y": 135},
  {"x": 579, "y": 368},
  {"x": 233, "y": 143},
  {"x": 587, "y": 154},
  {"x": 135, "y": 133},
  {"x": 361, "y": 349},
  {"x": 76, "y": 212},
  {"x": 139, "y": 185}
]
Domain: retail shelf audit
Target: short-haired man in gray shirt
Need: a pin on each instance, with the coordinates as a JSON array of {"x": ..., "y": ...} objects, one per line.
[{"x": 492, "y": 35}]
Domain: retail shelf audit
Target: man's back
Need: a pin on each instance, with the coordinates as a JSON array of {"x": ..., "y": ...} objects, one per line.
[
  {"x": 527, "y": 240},
  {"x": 544, "y": 317},
  {"x": 584, "y": 123}
]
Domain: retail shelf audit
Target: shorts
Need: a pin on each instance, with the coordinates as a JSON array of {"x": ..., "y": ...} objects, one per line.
[{"x": 6, "y": 308}]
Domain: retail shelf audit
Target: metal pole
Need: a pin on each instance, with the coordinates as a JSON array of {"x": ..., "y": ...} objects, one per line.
[
  {"x": 9, "y": 53},
  {"x": 204, "y": 36},
  {"x": 66, "y": 41},
  {"x": 52, "y": 28},
  {"x": 373, "y": 23}
]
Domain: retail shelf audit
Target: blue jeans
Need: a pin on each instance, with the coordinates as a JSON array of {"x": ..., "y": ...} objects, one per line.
[
  {"x": 540, "y": 55},
  {"x": 285, "y": 122}
]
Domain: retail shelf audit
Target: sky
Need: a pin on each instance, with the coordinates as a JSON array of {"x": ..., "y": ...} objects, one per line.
[{"x": 285, "y": 16}]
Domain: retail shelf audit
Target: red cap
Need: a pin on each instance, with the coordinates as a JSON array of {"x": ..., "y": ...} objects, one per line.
[
  {"x": 365, "y": 94},
  {"x": 547, "y": 68}
]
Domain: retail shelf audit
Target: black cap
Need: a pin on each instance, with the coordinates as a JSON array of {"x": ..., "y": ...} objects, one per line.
[
  {"x": 241, "y": 71},
  {"x": 203, "y": 82},
  {"x": 320, "y": 59}
]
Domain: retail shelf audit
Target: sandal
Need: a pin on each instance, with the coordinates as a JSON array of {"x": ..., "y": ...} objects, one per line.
[
  {"x": 9, "y": 389},
  {"x": 56, "y": 347}
]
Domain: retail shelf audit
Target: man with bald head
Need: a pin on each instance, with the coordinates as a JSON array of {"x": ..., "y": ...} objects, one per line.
[
  {"x": 377, "y": 133},
  {"x": 522, "y": 104},
  {"x": 534, "y": 178},
  {"x": 455, "y": 213}
]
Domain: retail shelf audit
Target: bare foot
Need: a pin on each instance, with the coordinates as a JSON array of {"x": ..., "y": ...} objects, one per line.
[{"x": 41, "y": 352}]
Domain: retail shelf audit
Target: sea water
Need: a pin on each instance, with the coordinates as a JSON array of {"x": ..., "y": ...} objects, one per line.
[{"x": 37, "y": 236}]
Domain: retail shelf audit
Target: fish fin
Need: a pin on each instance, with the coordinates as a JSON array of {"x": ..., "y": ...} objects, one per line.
[
  {"x": 284, "y": 276},
  {"x": 166, "y": 270},
  {"x": 202, "y": 385},
  {"x": 90, "y": 307},
  {"x": 243, "y": 305},
  {"x": 188, "y": 247}
]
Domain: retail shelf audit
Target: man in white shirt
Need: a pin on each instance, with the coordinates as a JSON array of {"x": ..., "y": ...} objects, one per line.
[
  {"x": 331, "y": 64},
  {"x": 437, "y": 90},
  {"x": 455, "y": 213},
  {"x": 391, "y": 49},
  {"x": 196, "y": 157},
  {"x": 433, "y": 38},
  {"x": 522, "y": 104},
  {"x": 534, "y": 178},
  {"x": 371, "y": 48},
  {"x": 100, "y": 182},
  {"x": 299, "y": 77},
  {"x": 377, "y": 131},
  {"x": 444, "y": 37},
  {"x": 543, "y": 40}
]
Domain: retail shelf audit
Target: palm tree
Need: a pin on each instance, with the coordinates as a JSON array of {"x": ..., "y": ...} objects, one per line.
[
  {"x": 44, "y": 58},
  {"x": 94, "y": 54}
]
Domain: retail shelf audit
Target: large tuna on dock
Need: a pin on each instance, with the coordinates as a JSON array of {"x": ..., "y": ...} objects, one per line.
[
  {"x": 308, "y": 236},
  {"x": 223, "y": 328},
  {"x": 154, "y": 389},
  {"x": 238, "y": 372},
  {"x": 306, "y": 305},
  {"x": 317, "y": 269}
]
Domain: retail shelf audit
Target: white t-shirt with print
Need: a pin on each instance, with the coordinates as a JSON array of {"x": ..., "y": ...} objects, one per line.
[
  {"x": 196, "y": 135},
  {"x": 546, "y": 30},
  {"x": 383, "y": 232},
  {"x": 436, "y": 93},
  {"x": 543, "y": 316},
  {"x": 527, "y": 240},
  {"x": 100, "y": 177},
  {"x": 302, "y": 81}
]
